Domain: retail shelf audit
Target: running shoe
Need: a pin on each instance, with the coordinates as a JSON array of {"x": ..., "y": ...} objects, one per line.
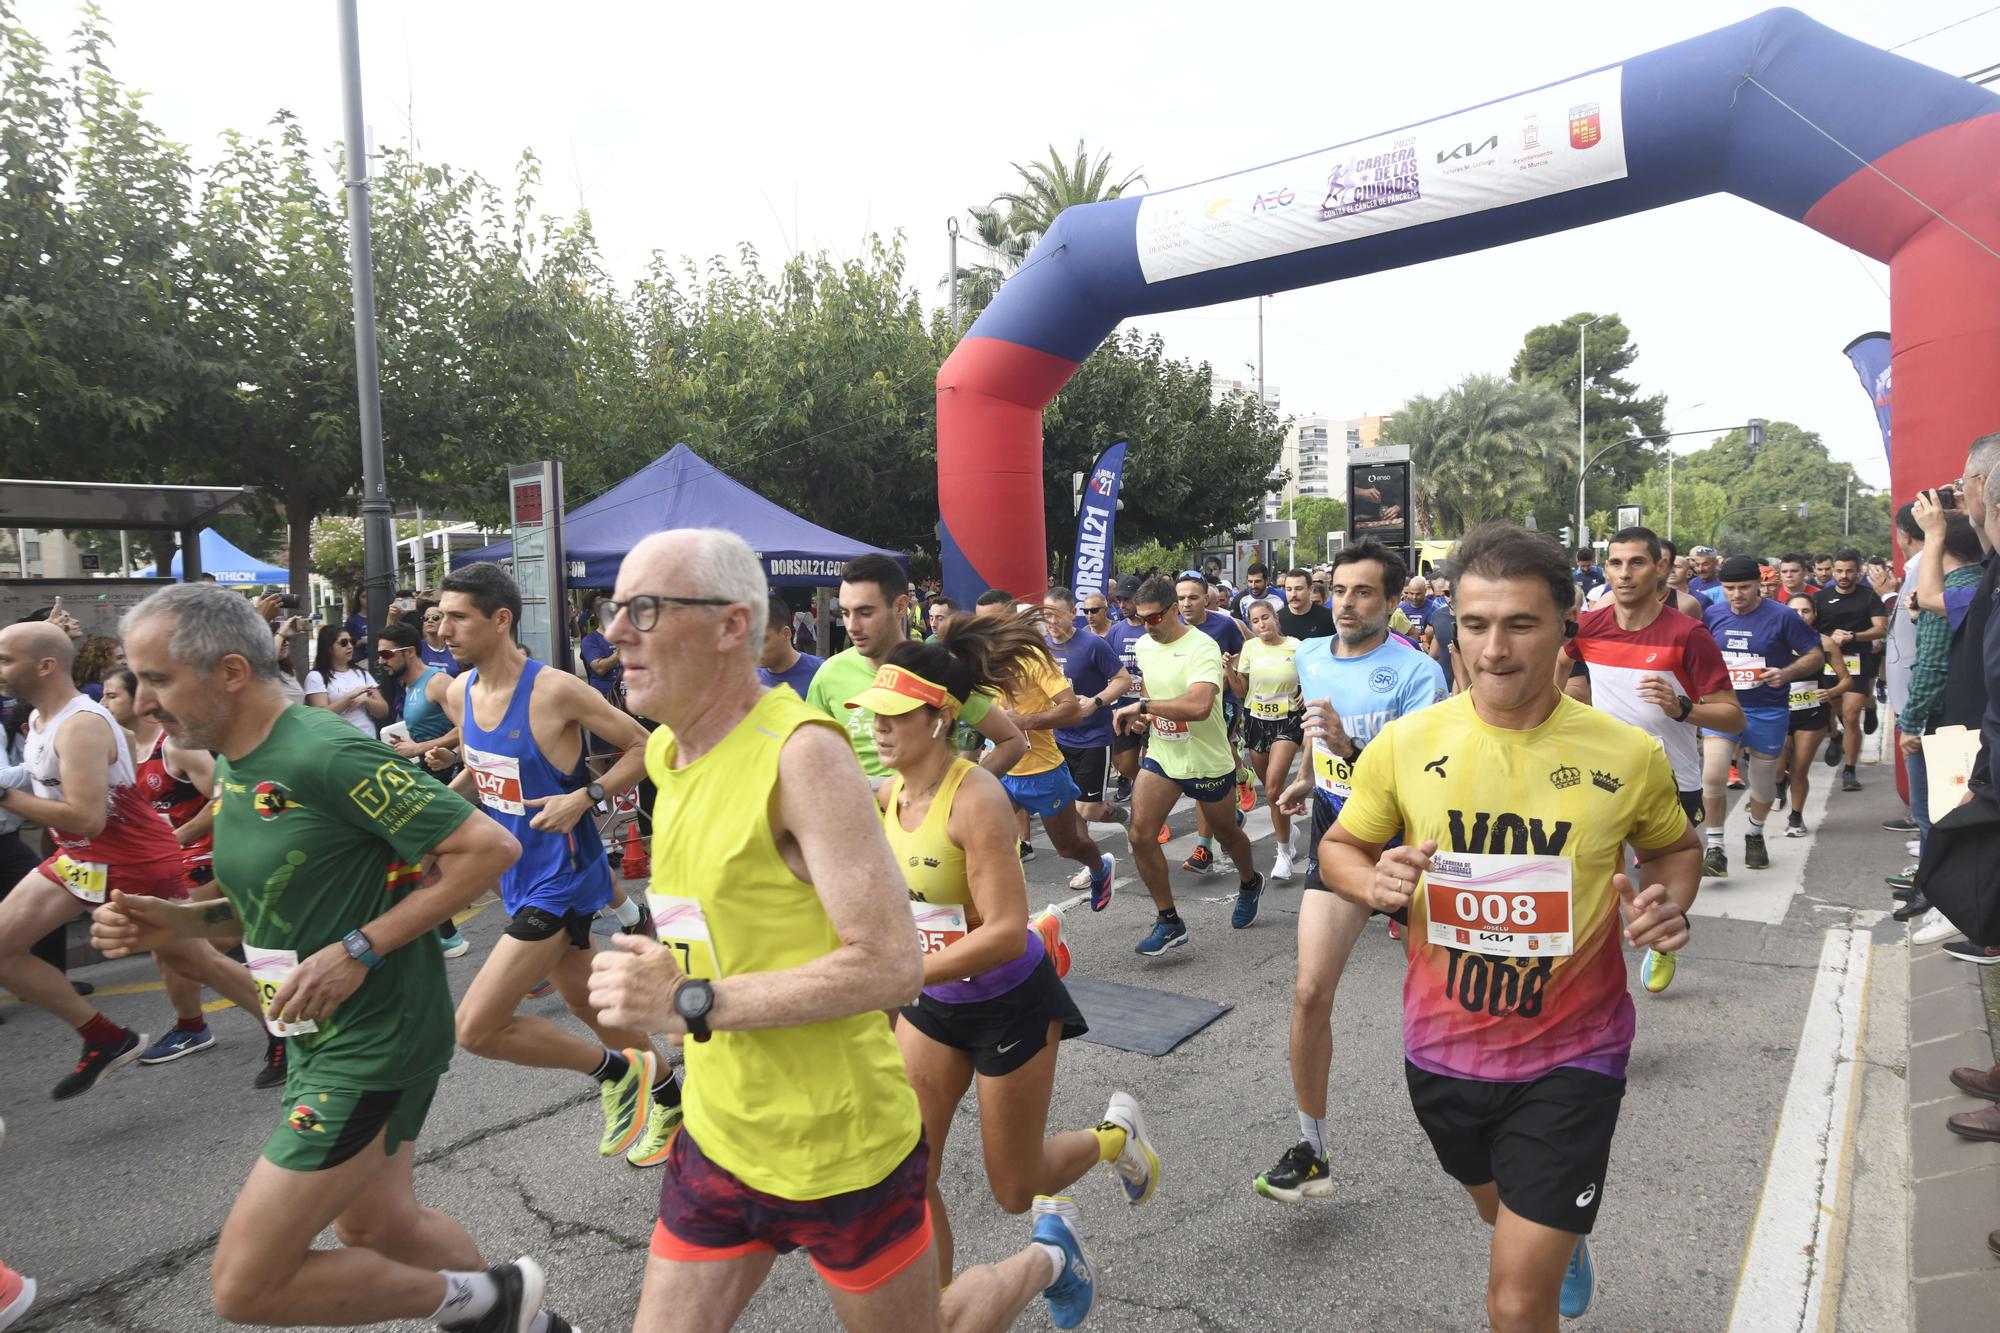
[
  {"x": 627, "y": 1102},
  {"x": 1849, "y": 782},
  {"x": 1283, "y": 869},
  {"x": 1658, "y": 970},
  {"x": 1784, "y": 786},
  {"x": 1080, "y": 880},
  {"x": 1755, "y": 856},
  {"x": 1935, "y": 928},
  {"x": 271, "y": 1074},
  {"x": 455, "y": 945},
  {"x": 1795, "y": 825},
  {"x": 1913, "y": 848},
  {"x": 1906, "y": 880},
  {"x": 1715, "y": 862},
  {"x": 1247, "y": 895},
  {"x": 1978, "y": 955},
  {"x": 1070, "y": 1294},
  {"x": 1200, "y": 860},
  {"x": 1832, "y": 756},
  {"x": 1735, "y": 779},
  {"x": 1902, "y": 824},
  {"x": 1121, "y": 791},
  {"x": 17, "y": 1293},
  {"x": 1048, "y": 924},
  {"x": 1580, "y": 1282},
  {"x": 1395, "y": 929},
  {"x": 1101, "y": 883},
  {"x": 542, "y": 989},
  {"x": 177, "y": 1043},
  {"x": 1246, "y": 794},
  {"x": 1138, "y": 1166},
  {"x": 1300, "y": 1174},
  {"x": 96, "y": 1062},
  {"x": 652, "y": 1146},
  {"x": 1870, "y": 720},
  {"x": 1164, "y": 935},
  {"x": 1165, "y": 835},
  {"x": 1028, "y": 852},
  {"x": 520, "y": 1285}
]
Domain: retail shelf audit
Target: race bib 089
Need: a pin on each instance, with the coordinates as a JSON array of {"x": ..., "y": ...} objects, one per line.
[
  {"x": 680, "y": 925},
  {"x": 1167, "y": 729},
  {"x": 1516, "y": 906}
]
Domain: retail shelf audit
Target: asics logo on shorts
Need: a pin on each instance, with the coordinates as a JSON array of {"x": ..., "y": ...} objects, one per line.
[{"x": 1583, "y": 1199}]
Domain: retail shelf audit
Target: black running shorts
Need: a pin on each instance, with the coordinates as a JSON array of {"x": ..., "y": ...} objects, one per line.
[
  {"x": 533, "y": 924},
  {"x": 1088, "y": 767},
  {"x": 1546, "y": 1143},
  {"x": 1007, "y": 1031}
]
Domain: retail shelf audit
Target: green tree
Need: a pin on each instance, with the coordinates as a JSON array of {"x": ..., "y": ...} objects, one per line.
[
  {"x": 1746, "y": 498},
  {"x": 1316, "y": 517},
  {"x": 1614, "y": 409},
  {"x": 1007, "y": 228},
  {"x": 1485, "y": 448}
]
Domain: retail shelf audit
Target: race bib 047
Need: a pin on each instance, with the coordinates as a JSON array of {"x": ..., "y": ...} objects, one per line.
[
  {"x": 1516, "y": 906},
  {"x": 497, "y": 778},
  {"x": 680, "y": 925}
]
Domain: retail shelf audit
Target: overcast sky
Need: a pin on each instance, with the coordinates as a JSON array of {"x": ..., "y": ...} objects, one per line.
[{"x": 690, "y": 128}]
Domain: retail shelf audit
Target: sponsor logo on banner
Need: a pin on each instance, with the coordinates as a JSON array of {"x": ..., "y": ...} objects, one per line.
[{"x": 1504, "y": 153}]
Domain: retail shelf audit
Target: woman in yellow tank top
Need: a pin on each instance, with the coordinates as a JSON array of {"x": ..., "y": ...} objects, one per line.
[
  {"x": 992, "y": 1005},
  {"x": 1265, "y": 675}
]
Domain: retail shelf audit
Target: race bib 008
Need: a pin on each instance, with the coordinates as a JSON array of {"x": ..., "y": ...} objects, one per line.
[{"x": 1515, "y": 906}]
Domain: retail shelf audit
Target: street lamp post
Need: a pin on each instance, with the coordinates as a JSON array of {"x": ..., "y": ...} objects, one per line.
[
  {"x": 1582, "y": 462},
  {"x": 1670, "y": 464}
]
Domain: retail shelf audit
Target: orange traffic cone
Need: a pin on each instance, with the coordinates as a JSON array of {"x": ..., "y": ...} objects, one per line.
[{"x": 636, "y": 864}]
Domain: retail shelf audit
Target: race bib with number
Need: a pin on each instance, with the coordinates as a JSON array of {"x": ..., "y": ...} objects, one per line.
[
  {"x": 1270, "y": 707},
  {"x": 679, "y": 924},
  {"x": 1853, "y": 661},
  {"x": 88, "y": 880},
  {"x": 1516, "y": 906},
  {"x": 269, "y": 969},
  {"x": 1332, "y": 774},
  {"x": 1806, "y": 695},
  {"x": 1745, "y": 670},
  {"x": 1167, "y": 729},
  {"x": 939, "y": 925},
  {"x": 497, "y": 777}
]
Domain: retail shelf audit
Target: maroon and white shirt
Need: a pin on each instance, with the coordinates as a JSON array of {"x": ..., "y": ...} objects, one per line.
[
  {"x": 134, "y": 834},
  {"x": 1673, "y": 646}
]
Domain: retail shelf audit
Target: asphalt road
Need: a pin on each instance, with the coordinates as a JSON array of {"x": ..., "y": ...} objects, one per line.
[{"x": 113, "y": 1201}]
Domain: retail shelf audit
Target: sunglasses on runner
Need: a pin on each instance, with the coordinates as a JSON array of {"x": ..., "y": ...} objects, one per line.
[
  {"x": 1149, "y": 620},
  {"x": 644, "y": 609}
]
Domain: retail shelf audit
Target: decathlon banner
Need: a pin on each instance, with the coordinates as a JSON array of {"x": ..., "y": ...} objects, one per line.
[
  {"x": 1094, "y": 519},
  {"x": 1870, "y": 355}
]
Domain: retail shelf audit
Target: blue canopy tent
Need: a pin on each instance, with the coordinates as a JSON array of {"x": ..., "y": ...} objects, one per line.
[
  {"x": 681, "y": 489},
  {"x": 232, "y": 567}
]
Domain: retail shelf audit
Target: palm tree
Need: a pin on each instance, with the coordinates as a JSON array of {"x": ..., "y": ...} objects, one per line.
[
  {"x": 1488, "y": 447},
  {"x": 1012, "y": 223}
]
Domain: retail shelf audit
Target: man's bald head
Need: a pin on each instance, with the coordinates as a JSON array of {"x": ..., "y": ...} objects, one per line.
[
  {"x": 40, "y": 640},
  {"x": 35, "y": 661}
]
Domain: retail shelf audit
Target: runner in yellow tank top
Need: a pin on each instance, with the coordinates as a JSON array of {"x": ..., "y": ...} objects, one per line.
[
  {"x": 1265, "y": 675},
  {"x": 992, "y": 1003},
  {"x": 784, "y": 932}
]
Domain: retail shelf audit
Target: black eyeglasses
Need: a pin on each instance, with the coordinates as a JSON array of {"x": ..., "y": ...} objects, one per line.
[
  {"x": 1149, "y": 619},
  {"x": 644, "y": 609},
  {"x": 343, "y": 643},
  {"x": 1093, "y": 610}
]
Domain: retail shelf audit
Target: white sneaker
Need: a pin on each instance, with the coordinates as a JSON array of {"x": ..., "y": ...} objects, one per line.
[
  {"x": 1138, "y": 1165},
  {"x": 1283, "y": 868},
  {"x": 1934, "y": 929},
  {"x": 1913, "y": 847},
  {"x": 1080, "y": 880}
]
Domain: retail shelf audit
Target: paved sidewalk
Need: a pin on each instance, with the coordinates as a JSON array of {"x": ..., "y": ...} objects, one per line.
[{"x": 1955, "y": 1182}]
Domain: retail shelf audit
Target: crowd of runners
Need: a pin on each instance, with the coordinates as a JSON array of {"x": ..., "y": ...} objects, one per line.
[{"x": 1519, "y": 759}]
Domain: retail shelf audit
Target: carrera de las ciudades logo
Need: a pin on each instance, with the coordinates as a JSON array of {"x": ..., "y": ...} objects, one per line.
[{"x": 1378, "y": 180}]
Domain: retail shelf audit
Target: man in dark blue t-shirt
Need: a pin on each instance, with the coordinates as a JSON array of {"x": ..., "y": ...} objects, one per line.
[
  {"x": 780, "y": 663},
  {"x": 1098, "y": 680}
]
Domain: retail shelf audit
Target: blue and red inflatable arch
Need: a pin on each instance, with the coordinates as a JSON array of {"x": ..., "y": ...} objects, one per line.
[{"x": 1765, "y": 109}]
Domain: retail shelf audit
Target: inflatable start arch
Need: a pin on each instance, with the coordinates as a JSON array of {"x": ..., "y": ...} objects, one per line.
[{"x": 1767, "y": 109}]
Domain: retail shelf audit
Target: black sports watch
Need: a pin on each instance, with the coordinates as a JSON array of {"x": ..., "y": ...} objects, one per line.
[
  {"x": 1145, "y": 708},
  {"x": 1687, "y": 706},
  {"x": 692, "y": 1001},
  {"x": 595, "y": 791}
]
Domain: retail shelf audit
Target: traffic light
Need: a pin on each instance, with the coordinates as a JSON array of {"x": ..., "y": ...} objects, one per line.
[{"x": 1756, "y": 428}]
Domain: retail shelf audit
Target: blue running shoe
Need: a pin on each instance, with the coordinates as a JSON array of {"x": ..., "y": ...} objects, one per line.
[
  {"x": 1246, "y": 902},
  {"x": 176, "y": 1044},
  {"x": 1100, "y": 884},
  {"x": 1070, "y": 1295},
  {"x": 1580, "y": 1282},
  {"x": 1165, "y": 935}
]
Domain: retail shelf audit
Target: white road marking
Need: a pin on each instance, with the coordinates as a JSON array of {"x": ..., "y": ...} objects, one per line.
[
  {"x": 1783, "y": 1278},
  {"x": 1765, "y": 895}
]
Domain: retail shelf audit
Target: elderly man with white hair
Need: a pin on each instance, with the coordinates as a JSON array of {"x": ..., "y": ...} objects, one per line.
[{"x": 784, "y": 931}]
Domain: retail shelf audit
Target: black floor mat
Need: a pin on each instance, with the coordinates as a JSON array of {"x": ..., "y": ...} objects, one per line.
[{"x": 1138, "y": 1018}]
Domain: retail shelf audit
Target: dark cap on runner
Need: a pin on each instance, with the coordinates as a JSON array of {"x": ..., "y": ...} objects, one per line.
[
  {"x": 1740, "y": 569},
  {"x": 1128, "y": 587}
]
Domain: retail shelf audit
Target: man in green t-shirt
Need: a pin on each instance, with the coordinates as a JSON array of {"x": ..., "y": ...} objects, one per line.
[
  {"x": 320, "y": 842},
  {"x": 1187, "y": 754},
  {"x": 874, "y": 608}
]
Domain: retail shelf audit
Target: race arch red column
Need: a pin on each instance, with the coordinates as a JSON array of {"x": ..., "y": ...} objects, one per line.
[{"x": 1774, "y": 109}]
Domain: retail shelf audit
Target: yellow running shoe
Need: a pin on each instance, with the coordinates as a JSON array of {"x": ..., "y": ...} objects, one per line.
[
  {"x": 651, "y": 1148},
  {"x": 627, "y": 1103},
  {"x": 1658, "y": 970}
]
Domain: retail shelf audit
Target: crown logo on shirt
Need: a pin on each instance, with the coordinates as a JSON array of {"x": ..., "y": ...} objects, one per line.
[
  {"x": 1605, "y": 780},
  {"x": 1565, "y": 777}
]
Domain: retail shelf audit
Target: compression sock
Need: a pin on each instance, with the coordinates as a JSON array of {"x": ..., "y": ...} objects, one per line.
[
  {"x": 628, "y": 913},
  {"x": 195, "y": 1024},
  {"x": 615, "y": 1067},
  {"x": 102, "y": 1033},
  {"x": 1713, "y": 835},
  {"x": 467, "y": 1298},
  {"x": 667, "y": 1092},
  {"x": 1110, "y": 1141},
  {"x": 1756, "y": 824},
  {"x": 1313, "y": 1132}
]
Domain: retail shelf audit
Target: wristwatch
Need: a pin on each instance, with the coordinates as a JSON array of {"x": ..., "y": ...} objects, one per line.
[
  {"x": 1687, "y": 706},
  {"x": 595, "y": 791},
  {"x": 692, "y": 1001},
  {"x": 360, "y": 950},
  {"x": 1145, "y": 708}
]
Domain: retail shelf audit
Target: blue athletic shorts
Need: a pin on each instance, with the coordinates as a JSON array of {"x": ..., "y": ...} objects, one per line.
[
  {"x": 1764, "y": 730},
  {"x": 1199, "y": 789},
  {"x": 1042, "y": 793}
]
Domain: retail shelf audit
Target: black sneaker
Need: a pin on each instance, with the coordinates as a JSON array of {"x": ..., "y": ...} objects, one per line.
[
  {"x": 98, "y": 1061},
  {"x": 1300, "y": 1174},
  {"x": 272, "y": 1073},
  {"x": 1027, "y": 852},
  {"x": 1715, "y": 862},
  {"x": 1795, "y": 825},
  {"x": 1980, "y": 955},
  {"x": 1755, "y": 857},
  {"x": 1902, "y": 825},
  {"x": 1848, "y": 782},
  {"x": 1832, "y": 756},
  {"x": 1869, "y": 719},
  {"x": 520, "y": 1301},
  {"x": 1121, "y": 792}
]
